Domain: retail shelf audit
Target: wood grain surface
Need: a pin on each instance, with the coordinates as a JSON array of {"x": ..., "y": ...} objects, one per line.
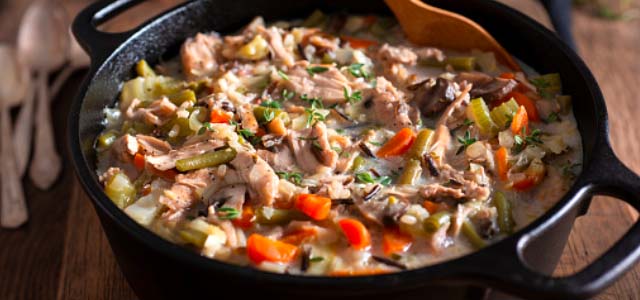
[{"x": 62, "y": 252}]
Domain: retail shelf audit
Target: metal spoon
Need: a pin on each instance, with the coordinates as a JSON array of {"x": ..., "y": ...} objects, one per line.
[
  {"x": 42, "y": 44},
  {"x": 13, "y": 86},
  {"x": 78, "y": 59}
]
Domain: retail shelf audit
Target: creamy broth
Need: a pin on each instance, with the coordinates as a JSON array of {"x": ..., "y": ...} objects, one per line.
[{"x": 332, "y": 146}]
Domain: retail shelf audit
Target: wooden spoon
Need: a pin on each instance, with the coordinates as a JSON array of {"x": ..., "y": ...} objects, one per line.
[
  {"x": 427, "y": 25},
  {"x": 13, "y": 86}
]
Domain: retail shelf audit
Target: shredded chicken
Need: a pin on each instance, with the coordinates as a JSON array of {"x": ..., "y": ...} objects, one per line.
[
  {"x": 262, "y": 180},
  {"x": 157, "y": 113},
  {"x": 184, "y": 192},
  {"x": 389, "y": 105},
  {"x": 328, "y": 85},
  {"x": 278, "y": 51},
  {"x": 200, "y": 55}
]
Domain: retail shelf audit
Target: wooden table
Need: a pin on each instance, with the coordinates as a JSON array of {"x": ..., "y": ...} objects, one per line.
[{"x": 63, "y": 254}]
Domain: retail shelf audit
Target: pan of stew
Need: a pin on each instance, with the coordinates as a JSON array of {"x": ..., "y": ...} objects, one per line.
[{"x": 307, "y": 149}]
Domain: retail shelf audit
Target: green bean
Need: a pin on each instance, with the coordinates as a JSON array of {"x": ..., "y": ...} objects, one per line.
[
  {"x": 276, "y": 216},
  {"x": 358, "y": 162},
  {"x": 262, "y": 113},
  {"x": 503, "y": 206},
  {"x": 436, "y": 221},
  {"x": 209, "y": 159},
  {"x": 460, "y": 63},
  {"x": 421, "y": 144},
  {"x": 412, "y": 171},
  {"x": 143, "y": 69},
  {"x": 183, "y": 96},
  {"x": 474, "y": 238}
]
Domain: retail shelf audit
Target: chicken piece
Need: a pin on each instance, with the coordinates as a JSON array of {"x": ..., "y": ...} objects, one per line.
[
  {"x": 439, "y": 240},
  {"x": 158, "y": 113},
  {"x": 396, "y": 54},
  {"x": 125, "y": 147},
  {"x": 301, "y": 148},
  {"x": 167, "y": 161},
  {"x": 321, "y": 147},
  {"x": 184, "y": 193},
  {"x": 152, "y": 145},
  {"x": 388, "y": 105},
  {"x": 328, "y": 86},
  {"x": 249, "y": 121},
  {"x": 281, "y": 159},
  {"x": 440, "y": 144},
  {"x": 200, "y": 55},
  {"x": 456, "y": 110},
  {"x": 262, "y": 180},
  {"x": 279, "y": 53}
]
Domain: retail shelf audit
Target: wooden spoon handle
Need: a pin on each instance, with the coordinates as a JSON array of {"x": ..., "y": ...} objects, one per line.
[
  {"x": 23, "y": 132},
  {"x": 46, "y": 164},
  {"x": 14, "y": 208},
  {"x": 60, "y": 80}
]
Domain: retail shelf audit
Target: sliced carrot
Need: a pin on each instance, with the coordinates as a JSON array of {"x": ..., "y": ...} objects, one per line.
[
  {"x": 357, "y": 43},
  {"x": 277, "y": 127},
  {"x": 261, "y": 248},
  {"x": 168, "y": 174},
  {"x": 528, "y": 104},
  {"x": 219, "y": 116},
  {"x": 394, "y": 241},
  {"x": 314, "y": 206},
  {"x": 502, "y": 162},
  {"x": 520, "y": 121},
  {"x": 357, "y": 235},
  {"x": 361, "y": 272},
  {"x": 246, "y": 219},
  {"x": 399, "y": 144},
  {"x": 300, "y": 236},
  {"x": 524, "y": 184},
  {"x": 431, "y": 206},
  {"x": 138, "y": 161},
  {"x": 260, "y": 132},
  {"x": 507, "y": 75}
]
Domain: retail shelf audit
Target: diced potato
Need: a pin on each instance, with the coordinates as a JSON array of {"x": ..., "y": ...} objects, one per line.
[
  {"x": 256, "y": 49},
  {"x": 120, "y": 190}
]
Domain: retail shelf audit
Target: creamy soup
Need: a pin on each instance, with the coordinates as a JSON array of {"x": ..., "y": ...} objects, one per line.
[{"x": 332, "y": 146}]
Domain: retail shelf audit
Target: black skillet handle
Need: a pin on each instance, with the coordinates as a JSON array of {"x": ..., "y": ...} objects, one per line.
[
  {"x": 97, "y": 43},
  {"x": 606, "y": 175},
  {"x": 559, "y": 12}
]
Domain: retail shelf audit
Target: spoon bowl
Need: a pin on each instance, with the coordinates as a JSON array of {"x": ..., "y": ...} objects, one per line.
[
  {"x": 428, "y": 25},
  {"x": 42, "y": 45}
]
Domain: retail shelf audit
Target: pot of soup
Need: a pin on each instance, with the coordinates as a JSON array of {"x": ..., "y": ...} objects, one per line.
[{"x": 309, "y": 150}]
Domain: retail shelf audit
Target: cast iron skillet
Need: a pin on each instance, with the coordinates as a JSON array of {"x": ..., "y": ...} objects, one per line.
[{"x": 157, "y": 269}]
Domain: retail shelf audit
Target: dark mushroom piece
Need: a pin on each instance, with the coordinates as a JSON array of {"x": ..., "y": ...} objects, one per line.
[
  {"x": 487, "y": 87},
  {"x": 432, "y": 96}
]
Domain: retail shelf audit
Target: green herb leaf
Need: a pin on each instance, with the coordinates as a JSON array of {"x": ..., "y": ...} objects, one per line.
[
  {"x": 287, "y": 94},
  {"x": 466, "y": 141},
  {"x": 365, "y": 177},
  {"x": 283, "y": 75},
  {"x": 294, "y": 177},
  {"x": 316, "y": 70},
  {"x": 353, "y": 97},
  {"x": 228, "y": 213},
  {"x": 357, "y": 71},
  {"x": 552, "y": 117},
  {"x": 271, "y": 104}
]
